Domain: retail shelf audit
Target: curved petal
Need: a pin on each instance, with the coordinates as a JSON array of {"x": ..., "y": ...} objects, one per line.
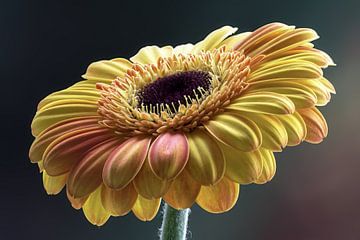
[
  {"x": 169, "y": 154},
  {"x": 63, "y": 153},
  {"x": 118, "y": 202},
  {"x": 145, "y": 209},
  {"x": 64, "y": 111},
  {"x": 53, "y": 185},
  {"x": 220, "y": 197},
  {"x": 125, "y": 162},
  {"x": 148, "y": 185},
  {"x": 214, "y": 39},
  {"x": 150, "y": 54},
  {"x": 46, "y": 137},
  {"x": 269, "y": 167},
  {"x": 302, "y": 96},
  {"x": 235, "y": 130},
  {"x": 85, "y": 176},
  {"x": 263, "y": 102},
  {"x": 295, "y": 128},
  {"x": 232, "y": 41},
  {"x": 183, "y": 191},
  {"x": 316, "y": 125},
  {"x": 94, "y": 210},
  {"x": 274, "y": 135},
  {"x": 206, "y": 162},
  {"x": 76, "y": 203},
  {"x": 107, "y": 70},
  {"x": 242, "y": 167}
]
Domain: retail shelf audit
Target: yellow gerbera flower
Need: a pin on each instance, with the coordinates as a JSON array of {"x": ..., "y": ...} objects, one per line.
[{"x": 185, "y": 124}]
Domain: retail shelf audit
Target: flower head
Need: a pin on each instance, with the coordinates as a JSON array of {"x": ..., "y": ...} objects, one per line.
[{"x": 185, "y": 124}]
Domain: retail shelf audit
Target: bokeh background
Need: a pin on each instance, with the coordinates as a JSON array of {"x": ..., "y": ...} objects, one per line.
[{"x": 47, "y": 45}]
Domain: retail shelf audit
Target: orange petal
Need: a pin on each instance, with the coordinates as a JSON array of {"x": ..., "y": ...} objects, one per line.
[
  {"x": 242, "y": 167},
  {"x": 220, "y": 197},
  {"x": 235, "y": 130},
  {"x": 206, "y": 161},
  {"x": 169, "y": 154},
  {"x": 148, "y": 185},
  {"x": 94, "y": 210},
  {"x": 316, "y": 125},
  {"x": 44, "y": 139},
  {"x": 53, "y": 185},
  {"x": 63, "y": 153},
  {"x": 145, "y": 209},
  {"x": 76, "y": 203},
  {"x": 183, "y": 191},
  {"x": 269, "y": 167},
  {"x": 125, "y": 162},
  {"x": 119, "y": 202},
  {"x": 85, "y": 177}
]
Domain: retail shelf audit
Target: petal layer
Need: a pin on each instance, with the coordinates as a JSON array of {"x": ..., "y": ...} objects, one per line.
[
  {"x": 118, "y": 202},
  {"x": 125, "y": 162},
  {"x": 220, "y": 197},
  {"x": 169, "y": 154}
]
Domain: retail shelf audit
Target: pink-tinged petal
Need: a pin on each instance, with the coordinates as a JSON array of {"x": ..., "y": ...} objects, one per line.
[
  {"x": 220, "y": 197},
  {"x": 269, "y": 167},
  {"x": 125, "y": 162},
  {"x": 145, "y": 209},
  {"x": 93, "y": 209},
  {"x": 316, "y": 125},
  {"x": 206, "y": 161},
  {"x": 119, "y": 202},
  {"x": 63, "y": 153},
  {"x": 76, "y": 203},
  {"x": 44, "y": 139},
  {"x": 169, "y": 154},
  {"x": 183, "y": 191},
  {"x": 53, "y": 185},
  {"x": 85, "y": 176},
  {"x": 148, "y": 185}
]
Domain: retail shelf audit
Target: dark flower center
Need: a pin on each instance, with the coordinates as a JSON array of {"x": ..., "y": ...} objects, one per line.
[{"x": 173, "y": 90}]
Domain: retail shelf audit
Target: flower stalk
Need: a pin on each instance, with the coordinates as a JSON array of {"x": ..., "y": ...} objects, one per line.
[{"x": 174, "y": 224}]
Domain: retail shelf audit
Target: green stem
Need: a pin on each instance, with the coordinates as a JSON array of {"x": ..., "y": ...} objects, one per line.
[{"x": 174, "y": 225}]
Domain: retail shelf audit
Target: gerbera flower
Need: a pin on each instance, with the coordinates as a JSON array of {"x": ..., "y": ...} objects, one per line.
[{"x": 185, "y": 124}]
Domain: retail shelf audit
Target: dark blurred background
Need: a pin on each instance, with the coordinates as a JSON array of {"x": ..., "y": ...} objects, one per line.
[{"x": 46, "y": 46}]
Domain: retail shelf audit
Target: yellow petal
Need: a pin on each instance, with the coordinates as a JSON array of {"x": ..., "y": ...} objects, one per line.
[
  {"x": 169, "y": 154},
  {"x": 322, "y": 93},
  {"x": 46, "y": 137},
  {"x": 148, "y": 185},
  {"x": 269, "y": 167},
  {"x": 125, "y": 162},
  {"x": 328, "y": 85},
  {"x": 206, "y": 162},
  {"x": 85, "y": 176},
  {"x": 220, "y": 197},
  {"x": 49, "y": 116},
  {"x": 53, "y": 185},
  {"x": 300, "y": 95},
  {"x": 263, "y": 102},
  {"x": 93, "y": 209},
  {"x": 151, "y": 54},
  {"x": 233, "y": 41},
  {"x": 182, "y": 192},
  {"x": 274, "y": 135},
  {"x": 214, "y": 39},
  {"x": 242, "y": 167},
  {"x": 64, "y": 152},
  {"x": 107, "y": 70},
  {"x": 145, "y": 209},
  {"x": 235, "y": 130},
  {"x": 118, "y": 202},
  {"x": 316, "y": 125},
  {"x": 184, "y": 49},
  {"x": 295, "y": 128}
]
